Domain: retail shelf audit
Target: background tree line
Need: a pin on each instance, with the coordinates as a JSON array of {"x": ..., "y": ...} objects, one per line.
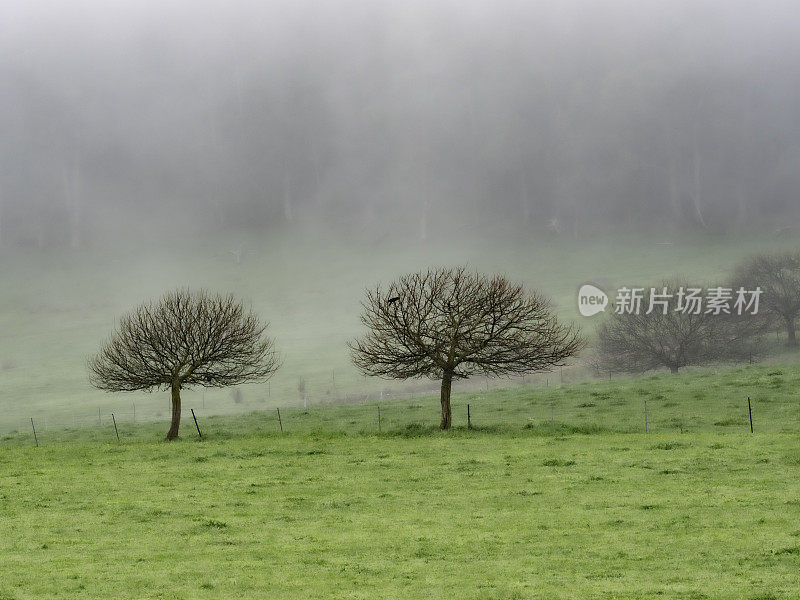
[
  {"x": 642, "y": 340},
  {"x": 559, "y": 118}
]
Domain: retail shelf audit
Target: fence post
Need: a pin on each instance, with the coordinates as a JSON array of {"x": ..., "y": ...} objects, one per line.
[
  {"x": 35, "y": 439},
  {"x": 379, "y": 418},
  {"x": 469, "y": 419},
  {"x": 200, "y": 435},
  {"x": 645, "y": 415},
  {"x": 115, "y": 426},
  {"x": 750, "y": 411},
  {"x": 280, "y": 423}
]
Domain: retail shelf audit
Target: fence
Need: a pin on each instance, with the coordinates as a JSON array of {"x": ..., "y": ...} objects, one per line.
[
  {"x": 322, "y": 390},
  {"x": 573, "y": 409}
]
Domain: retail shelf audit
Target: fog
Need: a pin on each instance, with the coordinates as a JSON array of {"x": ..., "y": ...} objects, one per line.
[{"x": 410, "y": 118}]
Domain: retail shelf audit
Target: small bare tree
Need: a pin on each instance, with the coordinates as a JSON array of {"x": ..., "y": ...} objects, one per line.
[
  {"x": 778, "y": 275},
  {"x": 448, "y": 324},
  {"x": 184, "y": 339},
  {"x": 668, "y": 338}
]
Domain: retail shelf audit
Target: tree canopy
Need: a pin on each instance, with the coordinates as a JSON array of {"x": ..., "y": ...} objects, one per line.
[
  {"x": 451, "y": 323},
  {"x": 184, "y": 339}
]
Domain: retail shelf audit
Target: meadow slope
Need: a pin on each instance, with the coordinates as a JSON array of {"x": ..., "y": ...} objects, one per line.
[
  {"x": 55, "y": 310},
  {"x": 464, "y": 515},
  {"x": 521, "y": 506}
]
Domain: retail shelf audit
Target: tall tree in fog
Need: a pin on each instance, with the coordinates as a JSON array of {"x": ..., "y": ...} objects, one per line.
[{"x": 449, "y": 324}]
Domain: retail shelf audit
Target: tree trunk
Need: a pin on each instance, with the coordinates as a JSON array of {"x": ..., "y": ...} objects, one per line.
[
  {"x": 525, "y": 199},
  {"x": 447, "y": 417},
  {"x": 674, "y": 195},
  {"x": 673, "y": 369},
  {"x": 288, "y": 212},
  {"x": 697, "y": 187},
  {"x": 423, "y": 220},
  {"x": 791, "y": 334},
  {"x": 176, "y": 412}
]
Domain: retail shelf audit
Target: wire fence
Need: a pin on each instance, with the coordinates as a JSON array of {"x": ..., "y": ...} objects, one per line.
[
  {"x": 314, "y": 392},
  {"x": 577, "y": 409}
]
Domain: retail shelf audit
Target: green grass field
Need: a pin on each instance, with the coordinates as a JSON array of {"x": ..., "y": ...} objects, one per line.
[
  {"x": 556, "y": 491},
  {"x": 522, "y": 506},
  {"x": 696, "y": 401},
  {"x": 445, "y": 516}
]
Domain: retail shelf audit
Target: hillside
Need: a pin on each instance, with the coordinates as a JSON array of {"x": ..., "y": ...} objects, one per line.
[{"x": 308, "y": 286}]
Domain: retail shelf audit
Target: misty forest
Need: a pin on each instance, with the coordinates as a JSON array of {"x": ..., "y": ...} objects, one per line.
[
  {"x": 405, "y": 118},
  {"x": 294, "y": 299}
]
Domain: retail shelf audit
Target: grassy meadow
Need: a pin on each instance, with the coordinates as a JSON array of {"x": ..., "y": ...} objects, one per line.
[
  {"x": 696, "y": 401},
  {"x": 555, "y": 492},
  {"x": 487, "y": 513}
]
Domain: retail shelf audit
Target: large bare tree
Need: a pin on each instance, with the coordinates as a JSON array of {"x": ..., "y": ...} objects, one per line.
[
  {"x": 778, "y": 275},
  {"x": 448, "y": 324},
  {"x": 184, "y": 339}
]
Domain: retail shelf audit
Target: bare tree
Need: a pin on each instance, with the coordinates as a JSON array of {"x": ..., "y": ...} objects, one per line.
[
  {"x": 778, "y": 275},
  {"x": 184, "y": 339},
  {"x": 449, "y": 324},
  {"x": 668, "y": 337}
]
